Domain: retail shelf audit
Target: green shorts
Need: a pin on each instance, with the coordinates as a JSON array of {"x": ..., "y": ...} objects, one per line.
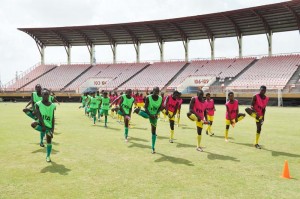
[
  {"x": 153, "y": 122},
  {"x": 104, "y": 112},
  {"x": 93, "y": 111},
  {"x": 120, "y": 113}
]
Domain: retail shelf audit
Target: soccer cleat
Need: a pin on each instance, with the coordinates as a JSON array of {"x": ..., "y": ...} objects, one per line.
[
  {"x": 199, "y": 149},
  {"x": 48, "y": 159},
  {"x": 153, "y": 151},
  {"x": 212, "y": 134},
  {"x": 136, "y": 110},
  {"x": 257, "y": 146},
  {"x": 42, "y": 145},
  {"x": 171, "y": 141},
  {"x": 126, "y": 140},
  {"x": 105, "y": 126},
  {"x": 226, "y": 140}
]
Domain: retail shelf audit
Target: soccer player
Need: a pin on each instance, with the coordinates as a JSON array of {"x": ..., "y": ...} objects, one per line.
[
  {"x": 35, "y": 97},
  {"x": 197, "y": 113},
  {"x": 140, "y": 100},
  {"x": 104, "y": 104},
  {"x": 179, "y": 108},
  {"x": 171, "y": 106},
  {"x": 232, "y": 113},
  {"x": 125, "y": 109},
  {"x": 258, "y": 110},
  {"x": 93, "y": 106},
  {"x": 99, "y": 97},
  {"x": 45, "y": 124},
  {"x": 153, "y": 105},
  {"x": 210, "y": 108}
]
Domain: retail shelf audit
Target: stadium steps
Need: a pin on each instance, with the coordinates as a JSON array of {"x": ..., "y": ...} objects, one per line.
[
  {"x": 132, "y": 76},
  {"x": 68, "y": 84},
  {"x": 36, "y": 78},
  {"x": 176, "y": 75},
  {"x": 294, "y": 79},
  {"x": 242, "y": 71}
]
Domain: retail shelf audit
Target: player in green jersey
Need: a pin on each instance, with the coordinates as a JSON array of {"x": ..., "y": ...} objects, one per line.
[
  {"x": 153, "y": 105},
  {"x": 93, "y": 104},
  {"x": 125, "y": 109},
  {"x": 35, "y": 97},
  {"x": 99, "y": 97},
  {"x": 45, "y": 124},
  {"x": 104, "y": 104}
]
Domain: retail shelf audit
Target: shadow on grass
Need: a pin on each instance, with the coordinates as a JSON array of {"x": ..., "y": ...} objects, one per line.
[
  {"x": 214, "y": 156},
  {"x": 180, "y": 145},
  {"x": 274, "y": 153},
  {"x": 53, "y": 143},
  {"x": 43, "y": 150},
  {"x": 188, "y": 128},
  {"x": 133, "y": 144},
  {"x": 111, "y": 128},
  {"x": 56, "y": 168},
  {"x": 162, "y": 137},
  {"x": 138, "y": 139},
  {"x": 139, "y": 128},
  {"x": 174, "y": 160},
  {"x": 221, "y": 137}
]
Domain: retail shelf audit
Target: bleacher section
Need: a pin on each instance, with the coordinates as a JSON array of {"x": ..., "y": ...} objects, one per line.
[
  {"x": 59, "y": 77},
  {"x": 95, "y": 70},
  {"x": 246, "y": 73},
  {"x": 30, "y": 76},
  {"x": 157, "y": 74},
  {"x": 273, "y": 72},
  {"x": 121, "y": 73},
  {"x": 220, "y": 68}
]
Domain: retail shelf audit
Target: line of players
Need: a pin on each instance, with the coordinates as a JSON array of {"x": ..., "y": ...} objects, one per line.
[{"x": 200, "y": 111}]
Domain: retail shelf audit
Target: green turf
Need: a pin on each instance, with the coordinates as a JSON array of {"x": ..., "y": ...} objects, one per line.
[{"x": 94, "y": 162}]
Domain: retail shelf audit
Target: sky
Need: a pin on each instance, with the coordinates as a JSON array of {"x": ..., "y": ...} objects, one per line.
[{"x": 18, "y": 51}]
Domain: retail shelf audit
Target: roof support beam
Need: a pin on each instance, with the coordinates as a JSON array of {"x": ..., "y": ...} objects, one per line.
[
  {"x": 185, "y": 40},
  {"x": 112, "y": 43},
  {"x": 41, "y": 47},
  {"x": 67, "y": 45},
  {"x": 210, "y": 37},
  {"x": 135, "y": 41},
  {"x": 268, "y": 30},
  {"x": 89, "y": 45},
  {"x": 297, "y": 17},
  {"x": 238, "y": 34},
  {"x": 159, "y": 41}
]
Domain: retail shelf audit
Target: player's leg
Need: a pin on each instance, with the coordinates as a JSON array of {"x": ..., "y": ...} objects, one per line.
[
  {"x": 258, "y": 131},
  {"x": 126, "y": 123},
  {"x": 172, "y": 124},
  {"x": 153, "y": 123},
  {"x": 98, "y": 112},
  {"x": 49, "y": 146},
  {"x": 178, "y": 118},
  {"x": 227, "y": 130},
  {"x": 209, "y": 126},
  {"x": 38, "y": 127},
  {"x": 141, "y": 113},
  {"x": 192, "y": 116},
  {"x": 199, "y": 135},
  {"x": 29, "y": 113},
  {"x": 241, "y": 116}
]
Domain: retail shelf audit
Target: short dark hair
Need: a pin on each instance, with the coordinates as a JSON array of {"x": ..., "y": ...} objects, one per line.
[
  {"x": 263, "y": 87},
  {"x": 230, "y": 93},
  {"x": 207, "y": 94}
]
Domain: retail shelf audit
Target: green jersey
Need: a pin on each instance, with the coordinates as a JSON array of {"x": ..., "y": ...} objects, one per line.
[
  {"x": 153, "y": 106},
  {"x": 83, "y": 98},
  {"x": 36, "y": 98},
  {"x": 94, "y": 102},
  {"x": 47, "y": 113},
  {"x": 127, "y": 103},
  {"x": 105, "y": 103}
]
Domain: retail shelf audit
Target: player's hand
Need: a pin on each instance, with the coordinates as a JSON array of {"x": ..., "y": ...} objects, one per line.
[
  {"x": 232, "y": 122},
  {"x": 43, "y": 128},
  {"x": 152, "y": 116},
  {"x": 236, "y": 120}
]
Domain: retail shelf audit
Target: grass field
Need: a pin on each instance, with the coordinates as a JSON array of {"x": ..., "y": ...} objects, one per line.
[{"x": 93, "y": 162}]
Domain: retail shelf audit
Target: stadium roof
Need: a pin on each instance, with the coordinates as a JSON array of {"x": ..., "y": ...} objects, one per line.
[{"x": 277, "y": 17}]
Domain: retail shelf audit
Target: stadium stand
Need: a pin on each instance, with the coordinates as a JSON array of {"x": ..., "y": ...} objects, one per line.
[
  {"x": 121, "y": 73},
  {"x": 270, "y": 71},
  {"x": 59, "y": 77},
  {"x": 157, "y": 74},
  {"x": 92, "y": 72},
  {"x": 30, "y": 76}
]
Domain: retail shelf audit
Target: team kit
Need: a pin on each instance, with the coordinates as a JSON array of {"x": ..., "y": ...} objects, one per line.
[{"x": 97, "y": 105}]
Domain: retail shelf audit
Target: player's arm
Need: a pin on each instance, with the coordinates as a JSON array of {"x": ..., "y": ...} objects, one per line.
[
  {"x": 166, "y": 105},
  {"x": 236, "y": 117},
  {"x": 192, "y": 104},
  {"x": 263, "y": 111},
  {"x": 121, "y": 107},
  {"x": 228, "y": 113},
  {"x": 176, "y": 108},
  {"x": 53, "y": 122},
  {"x": 31, "y": 101},
  {"x": 39, "y": 116},
  {"x": 146, "y": 108},
  {"x": 205, "y": 114},
  {"x": 113, "y": 102}
]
